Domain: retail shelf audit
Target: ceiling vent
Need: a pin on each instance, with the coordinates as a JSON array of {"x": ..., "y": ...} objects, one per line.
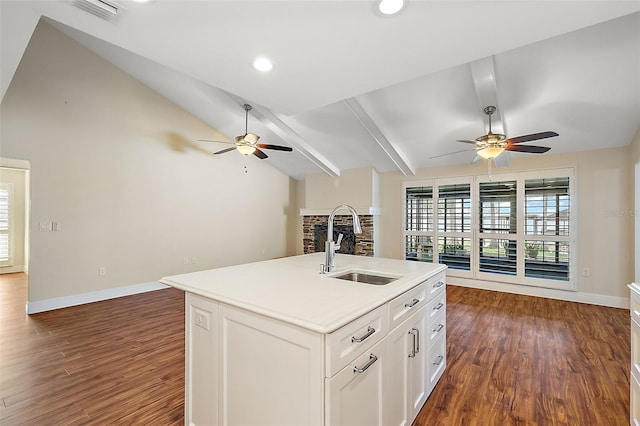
[{"x": 100, "y": 8}]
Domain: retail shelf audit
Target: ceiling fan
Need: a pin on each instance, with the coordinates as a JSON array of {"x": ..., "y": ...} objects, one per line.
[
  {"x": 248, "y": 143},
  {"x": 491, "y": 145}
]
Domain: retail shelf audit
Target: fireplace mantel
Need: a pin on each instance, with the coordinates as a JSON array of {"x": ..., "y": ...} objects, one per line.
[{"x": 371, "y": 211}]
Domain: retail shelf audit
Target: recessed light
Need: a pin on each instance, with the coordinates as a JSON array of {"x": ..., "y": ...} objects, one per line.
[
  {"x": 142, "y": 1},
  {"x": 263, "y": 64},
  {"x": 390, "y": 7}
]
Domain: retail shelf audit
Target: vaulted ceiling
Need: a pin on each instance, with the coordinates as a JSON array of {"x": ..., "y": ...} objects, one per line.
[{"x": 351, "y": 88}]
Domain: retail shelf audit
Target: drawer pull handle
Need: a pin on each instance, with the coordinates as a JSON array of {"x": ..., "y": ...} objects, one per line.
[
  {"x": 413, "y": 303},
  {"x": 372, "y": 359},
  {"x": 439, "y": 284},
  {"x": 415, "y": 333},
  {"x": 438, "y": 329},
  {"x": 438, "y": 360},
  {"x": 370, "y": 331},
  {"x": 438, "y": 306}
]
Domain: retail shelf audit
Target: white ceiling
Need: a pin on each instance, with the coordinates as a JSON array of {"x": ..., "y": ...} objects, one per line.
[{"x": 351, "y": 88}]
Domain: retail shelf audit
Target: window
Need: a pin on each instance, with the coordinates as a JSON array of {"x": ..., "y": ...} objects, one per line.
[
  {"x": 523, "y": 232},
  {"x": 547, "y": 230},
  {"x": 498, "y": 249},
  {"x": 5, "y": 223},
  {"x": 419, "y": 224},
  {"x": 438, "y": 223},
  {"x": 454, "y": 225}
]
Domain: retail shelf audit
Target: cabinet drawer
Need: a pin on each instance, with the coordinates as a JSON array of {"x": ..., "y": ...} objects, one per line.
[
  {"x": 436, "y": 284},
  {"x": 406, "y": 304},
  {"x": 358, "y": 394},
  {"x": 634, "y": 302},
  {"x": 436, "y": 306},
  {"x": 437, "y": 326},
  {"x": 437, "y": 361},
  {"x": 349, "y": 342}
]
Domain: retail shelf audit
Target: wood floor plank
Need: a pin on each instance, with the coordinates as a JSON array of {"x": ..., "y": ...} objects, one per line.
[{"x": 512, "y": 360}]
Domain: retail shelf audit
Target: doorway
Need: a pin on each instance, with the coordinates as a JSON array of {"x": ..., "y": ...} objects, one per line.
[{"x": 14, "y": 216}]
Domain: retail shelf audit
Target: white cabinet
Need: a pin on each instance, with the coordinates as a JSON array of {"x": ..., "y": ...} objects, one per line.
[
  {"x": 634, "y": 415},
  {"x": 408, "y": 377},
  {"x": 356, "y": 395},
  {"x": 247, "y": 369},
  {"x": 244, "y": 368},
  {"x": 417, "y": 351}
]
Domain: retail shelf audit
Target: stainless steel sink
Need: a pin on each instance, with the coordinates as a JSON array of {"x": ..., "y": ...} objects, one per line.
[{"x": 362, "y": 277}]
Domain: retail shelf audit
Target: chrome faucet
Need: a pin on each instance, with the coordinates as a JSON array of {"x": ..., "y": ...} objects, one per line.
[{"x": 330, "y": 246}]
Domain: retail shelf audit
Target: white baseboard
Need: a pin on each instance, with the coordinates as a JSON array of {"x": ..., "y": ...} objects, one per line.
[
  {"x": 33, "y": 307},
  {"x": 570, "y": 296},
  {"x": 12, "y": 269}
]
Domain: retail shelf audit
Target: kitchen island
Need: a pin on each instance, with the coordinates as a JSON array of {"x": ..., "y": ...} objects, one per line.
[{"x": 276, "y": 342}]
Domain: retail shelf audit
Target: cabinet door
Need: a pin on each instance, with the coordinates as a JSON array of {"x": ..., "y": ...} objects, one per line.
[
  {"x": 408, "y": 381},
  {"x": 270, "y": 372},
  {"x": 635, "y": 402},
  {"x": 356, "y": 396}
]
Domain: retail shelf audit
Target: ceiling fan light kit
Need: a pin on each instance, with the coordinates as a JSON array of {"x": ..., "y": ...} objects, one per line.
[
  {"x": 247, "y": 144},
  {"x": 491, "y": 145}
]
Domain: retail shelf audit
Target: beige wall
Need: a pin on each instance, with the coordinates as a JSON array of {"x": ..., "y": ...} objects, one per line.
[
  {"x": 635, "y": 163},
  {"x": 115, "y": 164},
  {"x": 355, "y": 187},
  {"x": 17, "y": 178},
  {"x": 605, "y": 241}
]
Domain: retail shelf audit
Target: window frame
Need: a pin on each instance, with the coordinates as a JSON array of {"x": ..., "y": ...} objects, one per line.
[
  {"x": 10, "y": 230},
  {"x": 519, "y": 236}
]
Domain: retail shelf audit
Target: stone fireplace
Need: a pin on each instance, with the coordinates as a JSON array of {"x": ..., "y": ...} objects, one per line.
[{"x": 314, "y": 234}]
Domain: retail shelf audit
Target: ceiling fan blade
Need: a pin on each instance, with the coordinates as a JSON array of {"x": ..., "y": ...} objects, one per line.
[
  {"x": 476, "y": 159},
  {"x": 467, "y": 141},
  {"x": 451, "y": 153},
  {"x": 276, "y": 147},
  {"x": 528, "y": 148},
  {"x": 224, "y": 150},
  {"x": 531, "y": 137},
  {"x": 261, "y": 155},
  {"x": 207, "y": 140}
]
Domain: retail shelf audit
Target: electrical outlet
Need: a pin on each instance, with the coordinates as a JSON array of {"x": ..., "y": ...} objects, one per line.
[
  {"x": 55, "y": 226},
  {"x": 585, "y": 272},
  {"x": 194, "y": 260},
  {"x": 185, "y": 260},
  {"x": 202, "y": 319},
  {"x": 102, "y": 271},
  {"x": 45, "y": 226}
]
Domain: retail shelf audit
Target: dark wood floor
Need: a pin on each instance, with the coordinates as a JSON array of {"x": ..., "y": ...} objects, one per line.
[
  {"x": 119, "y": 361},
  {"x": 512, "y": 360},
  {"x": 519, "y": 360}
]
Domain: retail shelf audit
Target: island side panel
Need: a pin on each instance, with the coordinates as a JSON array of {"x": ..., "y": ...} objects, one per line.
[
  {"x": 270, "y": 372},
  {"x": 201, "y": 361}
]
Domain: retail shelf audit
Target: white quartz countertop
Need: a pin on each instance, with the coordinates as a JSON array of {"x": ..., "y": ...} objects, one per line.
[{"x": 291, "y": 289}]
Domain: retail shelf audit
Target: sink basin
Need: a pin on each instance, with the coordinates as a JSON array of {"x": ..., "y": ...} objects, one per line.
[{"x": 366, "y": 278}]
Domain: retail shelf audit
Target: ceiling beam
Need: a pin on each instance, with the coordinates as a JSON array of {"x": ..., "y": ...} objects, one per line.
[
  {"x": 484, "y": 81},
  {"x": 403, "y": 165},
  {"x": 271, "y": 121}
]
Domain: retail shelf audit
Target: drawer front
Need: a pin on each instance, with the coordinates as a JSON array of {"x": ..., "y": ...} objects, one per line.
[
  {"x": 358, "y": 394},
  {"x": 437, "y": 306},
  {"x": 349, "y": 342},
  {"x": 437, "y": 361},
  {"x": 437, "y": 327},
  {"x": 436, "y": 284},
  {"x": 406, "y": 304},
  {"x": 635, "y": 302}
]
